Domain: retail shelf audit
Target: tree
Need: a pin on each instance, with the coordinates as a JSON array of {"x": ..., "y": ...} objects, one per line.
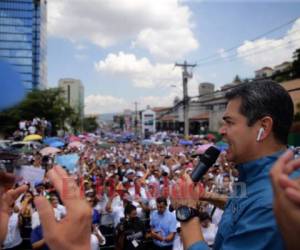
[
  {"x": 237, "y": 80},
  {"x": 90, "y": 124},
  {"x": 48, "y": 104},
  {"x": 296, "y": 64}
]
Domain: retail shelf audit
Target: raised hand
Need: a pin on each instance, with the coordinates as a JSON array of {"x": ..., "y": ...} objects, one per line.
[
  {"x": 287, "y": 198},
  {"x": 7, "y": 200},
  {"x": 73, "y": 231}
]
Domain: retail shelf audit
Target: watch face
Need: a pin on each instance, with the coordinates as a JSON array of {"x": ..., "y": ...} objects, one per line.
[{"x": 183, "y": 213}]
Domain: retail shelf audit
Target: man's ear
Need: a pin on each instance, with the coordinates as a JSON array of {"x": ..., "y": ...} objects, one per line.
[{"x": 266, "y": 127}]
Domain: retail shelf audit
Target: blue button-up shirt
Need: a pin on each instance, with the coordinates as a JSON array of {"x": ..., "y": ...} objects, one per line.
[
  {"x": 248, "y": 221},
  {"x": 164, "y": 224}
]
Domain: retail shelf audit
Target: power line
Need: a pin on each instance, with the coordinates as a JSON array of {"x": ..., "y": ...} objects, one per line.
[
  {"x": 235, "y": 56},
  {"x": 253, "y": 39}
]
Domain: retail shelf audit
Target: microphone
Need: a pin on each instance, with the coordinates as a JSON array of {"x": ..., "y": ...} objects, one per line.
[{"x": 206, "y": 161}]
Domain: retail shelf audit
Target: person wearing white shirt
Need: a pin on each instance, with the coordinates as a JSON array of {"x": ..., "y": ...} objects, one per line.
[
  {"x": 208, "y": 229},
  {"x": 178, "y": 244},
  {"x": 97, "y": 238},
  {"x": 13, "y": 238}
]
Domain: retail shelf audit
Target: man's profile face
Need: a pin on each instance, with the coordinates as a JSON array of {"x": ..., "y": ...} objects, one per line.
[{"x": 235, "y": 131}]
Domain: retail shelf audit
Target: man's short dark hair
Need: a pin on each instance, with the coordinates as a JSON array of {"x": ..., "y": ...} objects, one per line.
[
  {"x": 129, "y": 208},
  {"x": 161, "y": 200},
  {"x": 265, "y": 98}
]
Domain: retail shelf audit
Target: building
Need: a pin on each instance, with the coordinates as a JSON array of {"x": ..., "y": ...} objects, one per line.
[
  {"x": 205, "y": 113},
  {"x": 293, "y": 87},
  {"x": 73, "y": 94},
  {"x": 264, "y": 72},
  {"x": 285, "y": 66},
  {"x": 206, "y": 90},
  {"x": 23, "y": 39},
  {"x": 148, "y": 122}
]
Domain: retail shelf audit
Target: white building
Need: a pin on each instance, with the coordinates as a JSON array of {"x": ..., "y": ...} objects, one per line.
[
  {"x": 282, "y": 67},
  {"x": 148, "y": 122},
  {"x": 264, "y": 72},
  {"x": 73, "y": 94}
]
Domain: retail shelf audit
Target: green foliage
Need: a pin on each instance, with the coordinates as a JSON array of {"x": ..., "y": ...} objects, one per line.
[
  {"x": 296, "y": 64},
  {"x": 47, "y": 103},
  {"x": 90, "y": 124}
]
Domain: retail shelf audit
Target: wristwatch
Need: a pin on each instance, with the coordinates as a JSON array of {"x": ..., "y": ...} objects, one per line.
[{"x": 185, "y": 213}]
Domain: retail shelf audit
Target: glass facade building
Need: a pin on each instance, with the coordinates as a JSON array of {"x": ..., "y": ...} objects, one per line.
[{"x": 23, "y": 41}]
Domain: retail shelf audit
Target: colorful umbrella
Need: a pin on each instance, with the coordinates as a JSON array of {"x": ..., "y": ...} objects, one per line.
[
  {"x": 69, "y": 161},
  {"x": 33, "y": 138},
  {"x": 49, "y": 151},
  {"x": 202, "y": 148},
  {"x": 56, "y": 144},
  {"x": 74, "y": 138},
  {"x": 48, "y": 140},
  {"x": 75, "y": 144},
  {"x": 222, "y": 146},
  {"x": 185, "y": 142},
  {"x": 210, "y": 136}
]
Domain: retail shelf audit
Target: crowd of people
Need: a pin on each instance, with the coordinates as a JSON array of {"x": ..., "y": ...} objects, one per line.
[
  {"x": 138, "y": 196},
  {"x": 37, "y": 125},
  {"x": 117, "y": 181}
]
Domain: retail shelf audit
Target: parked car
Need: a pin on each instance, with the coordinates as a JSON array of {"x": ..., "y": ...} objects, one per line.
[{"x": 26, "y": 147}]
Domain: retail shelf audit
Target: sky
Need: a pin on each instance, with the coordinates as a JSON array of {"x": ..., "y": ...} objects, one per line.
[{"x": 124, "y": 51}]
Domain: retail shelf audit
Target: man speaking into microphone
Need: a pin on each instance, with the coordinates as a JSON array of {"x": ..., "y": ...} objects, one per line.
[{"x": 257, "y": 120}]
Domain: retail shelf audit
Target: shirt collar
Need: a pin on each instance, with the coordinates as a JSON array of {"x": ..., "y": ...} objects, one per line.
[{"x": 252, "y": 169}]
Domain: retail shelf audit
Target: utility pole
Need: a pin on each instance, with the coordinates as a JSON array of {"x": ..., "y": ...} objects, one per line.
[
  {"x": 136, "y": 118},
  {"x": 185, "y": 76}
]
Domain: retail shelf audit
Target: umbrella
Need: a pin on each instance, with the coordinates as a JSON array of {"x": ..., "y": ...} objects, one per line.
[
  {"x": 222, "y": 146},
  {"x": 210, "y": 136},
  {"x": 74, "y": 138},
  {"x": 75, "y": 144},
  {"x": 202, "y": 148},
  {"x": 33, "y": 138},
  {"x": 49, "y": 151},
  {"x": 56, "y": 144},
  {"x": 69, "y": 161},
  {"x": 48, "y": 140},
  {"x": 185, "y": 142}
]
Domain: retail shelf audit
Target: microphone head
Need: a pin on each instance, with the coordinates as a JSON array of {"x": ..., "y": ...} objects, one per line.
[
  {"x": 210, "y": 156},
  {"x": 206, "y": 161}
]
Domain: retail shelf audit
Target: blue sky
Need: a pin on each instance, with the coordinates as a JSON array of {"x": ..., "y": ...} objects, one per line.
[{"x": 126, "y": 52}]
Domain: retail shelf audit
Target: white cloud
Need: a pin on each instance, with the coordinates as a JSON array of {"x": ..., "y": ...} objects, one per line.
[
  {"x": 270, "y": 52},
  {"x": 141, "y": 72},
  {"x": 96, "y": 104},
  {"x": 99, "y": 104},
  {"x": 163, "y": 28},
  {"x": 223, "y": 54}
]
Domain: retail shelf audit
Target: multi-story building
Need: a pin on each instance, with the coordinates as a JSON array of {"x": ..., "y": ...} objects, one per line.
[
  {"x": 264, "y": 72},
  {"x": 23, "y": 39},
  {"x": 73, "y": 94}
]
